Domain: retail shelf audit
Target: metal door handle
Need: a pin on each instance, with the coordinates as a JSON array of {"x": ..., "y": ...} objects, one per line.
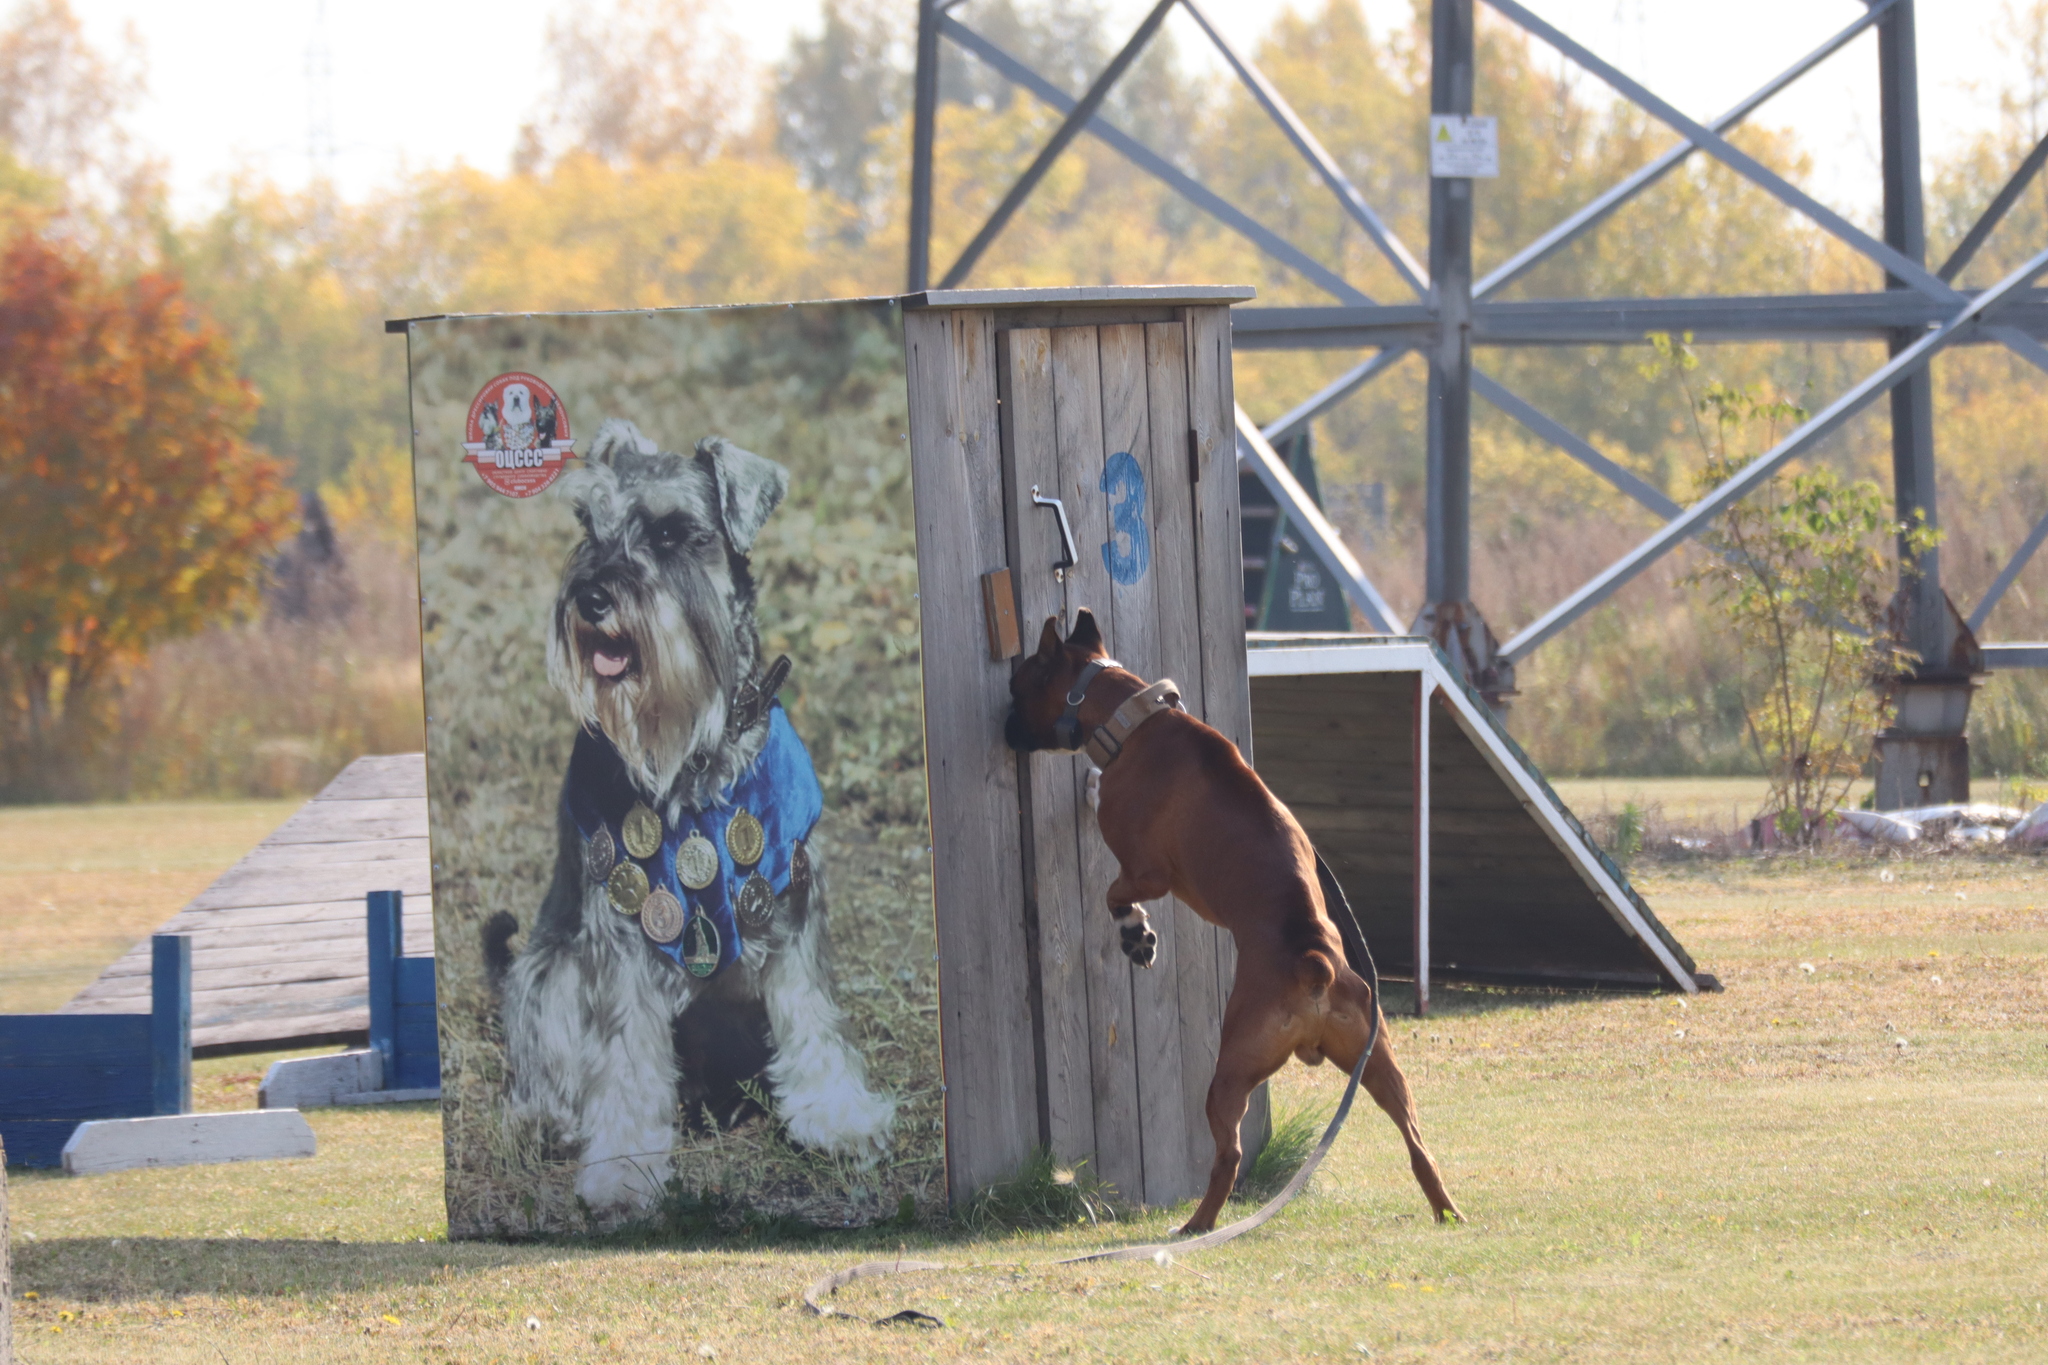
[{"x": 1068, "y": 557}]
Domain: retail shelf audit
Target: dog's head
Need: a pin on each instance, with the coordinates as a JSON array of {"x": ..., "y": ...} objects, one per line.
[
  {"x": 653, "y": 627},
  {"x": 1038, "y": 689}
]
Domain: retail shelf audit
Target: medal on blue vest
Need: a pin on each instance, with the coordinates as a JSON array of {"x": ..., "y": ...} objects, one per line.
[{"x": 699, "y": 880}]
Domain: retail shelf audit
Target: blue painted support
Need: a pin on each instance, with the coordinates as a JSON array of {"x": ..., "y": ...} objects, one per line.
[
  {"x": 415, "y": 1034},
  {"x": 59, "y": 1069},
  {"x": 402, "y": 1016},
  {"x": 170, "y": 1023},
  {"x": 387, "y": 941}
]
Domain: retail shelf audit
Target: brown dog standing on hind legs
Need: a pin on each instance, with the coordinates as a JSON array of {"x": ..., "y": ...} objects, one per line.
[{"x": 1184, "y": 814}]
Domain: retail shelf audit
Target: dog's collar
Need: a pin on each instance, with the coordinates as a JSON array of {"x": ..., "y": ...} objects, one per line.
[
  {"x": 1109, "y": 738},
  {"x": 1066, "y": 732},
  {"x": 754, "y": 697}
]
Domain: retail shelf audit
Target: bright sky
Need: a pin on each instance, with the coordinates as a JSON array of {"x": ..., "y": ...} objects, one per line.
[{"x": 420, "y": 83}]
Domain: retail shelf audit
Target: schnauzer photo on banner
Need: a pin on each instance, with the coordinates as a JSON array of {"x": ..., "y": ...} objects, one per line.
[{"x": 675, "y": 767}]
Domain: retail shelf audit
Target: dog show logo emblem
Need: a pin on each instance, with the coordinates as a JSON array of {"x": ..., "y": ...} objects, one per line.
[{"x": 518, "y": 435}]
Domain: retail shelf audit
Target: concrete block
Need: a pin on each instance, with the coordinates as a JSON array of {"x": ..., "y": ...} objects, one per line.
[
  {"x": 428, "y": 1092},
  {"x": 311, "y": 1082},
  {"x": 104, "y": 1145}
]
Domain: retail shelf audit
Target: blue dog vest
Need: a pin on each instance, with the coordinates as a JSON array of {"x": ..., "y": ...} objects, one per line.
[{"x": 779, "y": 789}]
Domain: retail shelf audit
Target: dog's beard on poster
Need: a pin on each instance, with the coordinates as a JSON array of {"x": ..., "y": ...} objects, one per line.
[{"x": 672, "y": 702}]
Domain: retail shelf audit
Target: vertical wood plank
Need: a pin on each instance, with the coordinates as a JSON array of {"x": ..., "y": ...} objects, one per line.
[
  {"x": 986, "y": 1036},
  {"x": 1197, "y": 990},
  {"x": 1142, "y": 535},
  {"x": 1077, "y": 392},
  {"x": 1219, "y": 580},
  {"x": 1052, "y": 867}
]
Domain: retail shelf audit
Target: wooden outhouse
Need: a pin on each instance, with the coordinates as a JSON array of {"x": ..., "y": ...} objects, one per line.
[{"x": 1071, "y": 448}]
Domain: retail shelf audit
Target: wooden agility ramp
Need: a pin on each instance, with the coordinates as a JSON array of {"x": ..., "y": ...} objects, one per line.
[
  {"x": 1465, "y": 867},
  {"x": 279, "y": 955}
]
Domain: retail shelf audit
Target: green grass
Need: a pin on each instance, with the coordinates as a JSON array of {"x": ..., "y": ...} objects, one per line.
[
  {"x": 1044, "y": 1193},
  {"x": 1294, "y": 1136},
  {"x": 1781, "y": 1183}
]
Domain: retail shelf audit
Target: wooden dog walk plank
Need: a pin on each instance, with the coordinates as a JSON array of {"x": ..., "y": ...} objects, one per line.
[{"x": 279, "y": 947}]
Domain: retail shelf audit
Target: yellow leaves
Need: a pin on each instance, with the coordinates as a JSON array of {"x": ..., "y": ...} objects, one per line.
[
  {"x": 588, "y": 235},
  {"x": 373, "y": 497}
]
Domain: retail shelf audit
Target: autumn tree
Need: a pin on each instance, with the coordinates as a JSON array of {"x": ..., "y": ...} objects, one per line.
[{"x": 132, "y": 508}]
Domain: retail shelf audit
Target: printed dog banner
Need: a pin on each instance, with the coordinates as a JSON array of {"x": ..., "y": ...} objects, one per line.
[{"x": 675, "y": 766}]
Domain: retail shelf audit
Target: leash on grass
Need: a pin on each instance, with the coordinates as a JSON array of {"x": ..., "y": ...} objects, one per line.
[{"x": 1359, "y": 955}]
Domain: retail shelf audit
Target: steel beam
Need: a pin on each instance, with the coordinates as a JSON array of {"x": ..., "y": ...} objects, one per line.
[
  {"x": 1448, "y": 510},
  {"x": 1737, "y": 160},
  {"x": 2001, "y": 204},
  {"x": 1333, "y": 393},
  {"x": 1572, "y": 444},
  {"x": 1069, "y": 129},
  {"x": 1313, "y": 152},
  {"x": 2016, "y": 654},
  {"x": 1256, "y": 452},
  {"x": 1912, "y": 399},
  {"x": 2007, "y": 575},
  {"x": 1597, "y": 212},
  {"x": 1870, "y": 316},
  {"x": 1697, "y": 517},
  {"x": 1149, "y": 161},
  {"x": 923, "y": 129}
]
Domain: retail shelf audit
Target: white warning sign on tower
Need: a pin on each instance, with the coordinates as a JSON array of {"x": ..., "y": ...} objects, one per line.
[{"x": 1463, "y": 146}]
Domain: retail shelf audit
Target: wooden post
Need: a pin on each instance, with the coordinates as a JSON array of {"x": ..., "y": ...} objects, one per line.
[
  {"x": 170, "y": 1023},
  {"x": 387, "y": 938},
  {"x": 1423, "y": 687}
]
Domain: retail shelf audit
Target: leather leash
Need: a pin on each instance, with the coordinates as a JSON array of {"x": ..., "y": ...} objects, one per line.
[{"x": 1359, "y": 956}]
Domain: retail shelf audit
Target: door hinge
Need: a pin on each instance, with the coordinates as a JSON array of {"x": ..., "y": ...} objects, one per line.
[{"x": 1194, "y": 456}]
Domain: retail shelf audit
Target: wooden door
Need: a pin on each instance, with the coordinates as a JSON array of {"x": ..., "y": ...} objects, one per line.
[{"x": 1119, "y": 421}]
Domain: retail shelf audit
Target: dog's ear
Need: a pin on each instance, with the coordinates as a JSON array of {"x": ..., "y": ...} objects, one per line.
[
  {"x": 615, "y": 437},
  {"x": 749, "y": 488},
  {"x": 1085, "y": 635},
  {"x": 1049, "y": 638}
]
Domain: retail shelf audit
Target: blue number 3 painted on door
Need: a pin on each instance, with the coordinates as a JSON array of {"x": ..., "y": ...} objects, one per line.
[{"x": 1126, "y": 563}]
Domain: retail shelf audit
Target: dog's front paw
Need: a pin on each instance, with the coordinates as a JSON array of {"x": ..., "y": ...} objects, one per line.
[
  {"x": 844, "y": 1117},
  {"x": 1139, "y": 943}
]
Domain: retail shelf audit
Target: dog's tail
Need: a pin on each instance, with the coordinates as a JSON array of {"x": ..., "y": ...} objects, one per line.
[{"x": 498, "y": 932}]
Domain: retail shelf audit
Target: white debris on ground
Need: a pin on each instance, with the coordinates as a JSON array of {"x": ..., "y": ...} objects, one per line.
[{"x": 1953, "y": 826}]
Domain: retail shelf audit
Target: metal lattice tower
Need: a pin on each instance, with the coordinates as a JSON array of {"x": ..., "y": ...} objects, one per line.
[{"x": 1924, "y": 757}]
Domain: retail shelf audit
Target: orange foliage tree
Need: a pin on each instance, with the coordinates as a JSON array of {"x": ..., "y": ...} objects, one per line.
[{"x": 132, "y": 508}]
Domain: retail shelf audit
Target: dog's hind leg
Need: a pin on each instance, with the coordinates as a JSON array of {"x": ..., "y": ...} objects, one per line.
[
  {"x": 1254, "y": 1047},
  {"x": 1389, "y": 1089}
]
